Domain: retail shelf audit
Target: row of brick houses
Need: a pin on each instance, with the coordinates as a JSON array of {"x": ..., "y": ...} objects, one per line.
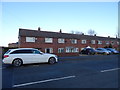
[{"x": 62, "y": 44}]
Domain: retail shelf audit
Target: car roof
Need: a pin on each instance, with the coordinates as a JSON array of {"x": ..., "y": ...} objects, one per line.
[{"x": 21, "y": 49}]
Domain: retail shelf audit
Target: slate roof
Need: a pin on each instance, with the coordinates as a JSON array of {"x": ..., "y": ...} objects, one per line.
[{"x": 36, "y": 33}]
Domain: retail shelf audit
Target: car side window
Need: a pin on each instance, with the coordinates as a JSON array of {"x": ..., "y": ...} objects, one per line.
[
  {"x": 22, "y": 52},
  {"x": 36, "y": 52}
]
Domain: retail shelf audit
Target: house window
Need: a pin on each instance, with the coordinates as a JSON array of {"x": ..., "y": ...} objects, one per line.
[
  {"x": 107, "y": 42},
  {"x": 48, "y": 50},
  {"x": 92, "y": 41},
  {"x": 48, "y": 40},
  {"x": 83, "y": 42},
  {"x": 30, "y": 39},
  {"x": 118, "y": 43},
  {"x": 99, "y": 42},
  {"x": 71, "y": 49},
  {"x": 60, "y": 50},
  {"x": 61, "y": 40},
  {"x": 74, "y": 41}
]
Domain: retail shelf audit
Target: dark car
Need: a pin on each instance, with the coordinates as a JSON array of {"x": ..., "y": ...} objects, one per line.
[
  {"x": 113, "y": 50},
  {"x": 88, "y": 51}
]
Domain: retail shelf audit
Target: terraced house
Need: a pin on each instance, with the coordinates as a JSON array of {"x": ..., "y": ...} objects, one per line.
[{"x": 62, "y": 44}]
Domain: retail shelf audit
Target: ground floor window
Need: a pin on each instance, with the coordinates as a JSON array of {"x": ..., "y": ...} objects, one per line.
[
  {"x": 72, "y": 49},
  {"x": 60, "y": 50},
  {"x": 48, "y": 50}
]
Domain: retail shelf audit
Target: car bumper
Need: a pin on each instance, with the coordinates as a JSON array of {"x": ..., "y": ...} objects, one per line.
[{"x": 6, "y": 61}]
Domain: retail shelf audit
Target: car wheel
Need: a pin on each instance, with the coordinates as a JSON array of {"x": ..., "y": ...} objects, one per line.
[
  {"x": 51, "y": 60},
  {"x": 17, "y": 62}
]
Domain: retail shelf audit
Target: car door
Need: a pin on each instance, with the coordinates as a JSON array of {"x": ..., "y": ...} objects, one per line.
[
  {"x": 28, "y": 56},
  {"x": 39, "y": 57}
]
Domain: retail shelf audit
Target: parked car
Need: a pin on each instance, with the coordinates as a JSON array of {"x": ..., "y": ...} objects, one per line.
[
  {"x": 88, "y": 51},
  {"x": 20, "y": 56},
  {"x": 113, "y": 51},
  {"x": 103, "y": 51}
]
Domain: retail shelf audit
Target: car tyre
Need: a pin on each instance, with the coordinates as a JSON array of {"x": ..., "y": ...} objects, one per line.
[
  {"x": 17, "y": 62},
  {"x": 52, "y": 60}
]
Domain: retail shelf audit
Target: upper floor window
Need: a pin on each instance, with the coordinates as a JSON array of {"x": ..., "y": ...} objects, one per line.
[
  {"x": 61, "y": 40},
  {"x": 30, "y": 39},
  {"x": 83, "y": 41},
  {"x": 48, "y": 40},
  {"x": 92, "y": 41},
  {"x": 107, "y": 42},
  {"x": 74, "y": 41},
  {"x": 99, "y": 42},
  {"x": 118, "y": 43}
]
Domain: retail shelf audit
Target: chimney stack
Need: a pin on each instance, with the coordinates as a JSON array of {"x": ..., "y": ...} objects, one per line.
[
  {"x": 60, "y": 30},
  {"x": 108, "y": 36},
  {"x": 39, "y": 29},
  {"x": 82, "y": 33}
]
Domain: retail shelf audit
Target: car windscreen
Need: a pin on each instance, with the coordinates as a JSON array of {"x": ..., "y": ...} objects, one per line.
[{"x": 91, "y": 49}]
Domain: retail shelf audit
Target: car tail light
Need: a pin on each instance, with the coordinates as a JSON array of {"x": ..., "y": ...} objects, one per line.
[{"x": 5, "y": 56}]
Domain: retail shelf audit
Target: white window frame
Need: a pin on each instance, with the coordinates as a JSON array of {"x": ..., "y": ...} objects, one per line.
[
  {"x": 60, "y": 50},
  {"x": 107, "y": 42},
  {"x": 118, "y": 43},
  {"x": 72, "y": 50},
  {"x": 99, "y": 42},
  {"x": 51, "y": 50},
  {"x": 30, "y": 39},
  {"x": 92, "y": 41},
  {"x": 74, "y": 41},
  {"x": 83, "y": 41},
  {"x": 61, "y": 40},
  {"x": 48, "y": 40}
]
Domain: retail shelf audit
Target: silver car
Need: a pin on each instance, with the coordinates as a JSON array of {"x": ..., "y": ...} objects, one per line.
[
  {"x": 20, "y": 56},
  {"x": 103, "y": 51}
]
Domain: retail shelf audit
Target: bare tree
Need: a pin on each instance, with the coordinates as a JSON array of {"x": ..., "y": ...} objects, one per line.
[
  {"x": 91, "y": 32},
  {"x": 72, "y": 31},
  {"x": 76, "y": 32}
]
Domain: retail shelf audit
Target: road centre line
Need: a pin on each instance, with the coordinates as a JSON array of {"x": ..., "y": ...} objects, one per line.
[
  {"x": 48, "y": 80},
  {"x": 109, "y": 70}
]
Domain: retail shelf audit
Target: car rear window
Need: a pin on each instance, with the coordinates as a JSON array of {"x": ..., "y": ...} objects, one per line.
[{"x": 8, "y": 51}]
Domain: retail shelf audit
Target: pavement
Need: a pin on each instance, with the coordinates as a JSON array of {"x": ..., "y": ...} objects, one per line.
[{"x": 96, "y": 71}]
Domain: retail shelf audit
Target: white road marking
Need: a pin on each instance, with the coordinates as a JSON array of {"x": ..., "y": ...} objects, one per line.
[
  {"x": 43, "y": 81},
  {"x": 109, "y": 70}
]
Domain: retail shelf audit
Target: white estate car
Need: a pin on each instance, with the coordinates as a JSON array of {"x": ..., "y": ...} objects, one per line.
[{"x": 20, "y": 56}]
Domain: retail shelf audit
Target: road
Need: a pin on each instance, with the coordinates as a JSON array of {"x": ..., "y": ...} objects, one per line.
[{"x": 99, "y": 71}]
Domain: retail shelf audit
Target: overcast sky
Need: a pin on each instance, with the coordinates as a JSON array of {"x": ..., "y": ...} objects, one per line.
[{"x": 101, "y": 17}]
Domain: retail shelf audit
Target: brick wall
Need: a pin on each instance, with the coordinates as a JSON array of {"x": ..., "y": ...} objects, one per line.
[{"x": 41, "y": 45}]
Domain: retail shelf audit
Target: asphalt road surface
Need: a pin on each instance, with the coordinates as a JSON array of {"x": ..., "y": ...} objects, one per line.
[{"x": 99, "y": 71}]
